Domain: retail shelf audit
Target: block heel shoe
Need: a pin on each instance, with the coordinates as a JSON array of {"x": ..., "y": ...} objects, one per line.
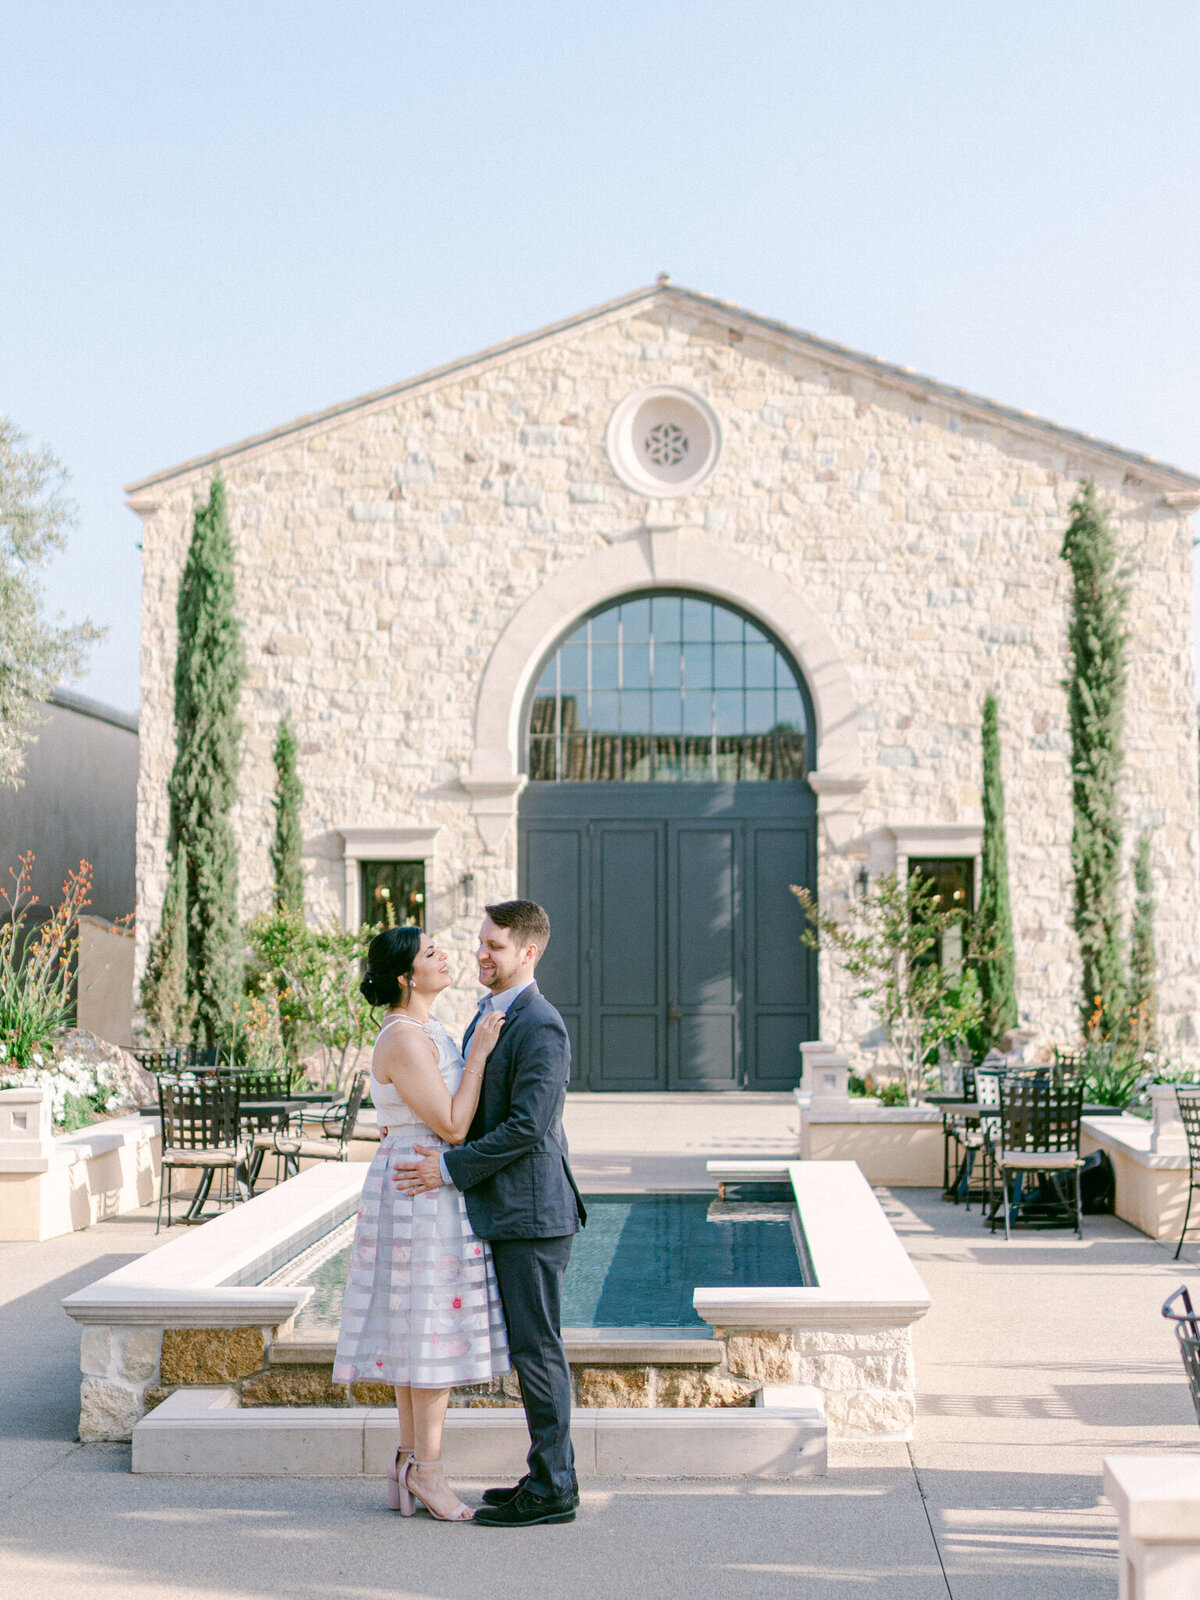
[{"x": 395, "y": 1492}]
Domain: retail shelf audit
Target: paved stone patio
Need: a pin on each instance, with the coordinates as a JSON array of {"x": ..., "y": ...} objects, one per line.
[{"x": 1039, "y": 1357}]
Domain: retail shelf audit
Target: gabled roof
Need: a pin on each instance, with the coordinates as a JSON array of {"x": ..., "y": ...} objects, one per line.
[{"x": 836, "y": 355}]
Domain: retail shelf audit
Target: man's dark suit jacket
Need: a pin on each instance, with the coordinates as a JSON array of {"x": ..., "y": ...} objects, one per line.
[{"x": 513, "y": 1169}]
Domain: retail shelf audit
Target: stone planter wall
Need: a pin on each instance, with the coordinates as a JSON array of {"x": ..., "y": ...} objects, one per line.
[
  {"x": 129, "y": 1371},
  {"x": 865, "y": 1376},
  {"x": 900, "y": 1146}
]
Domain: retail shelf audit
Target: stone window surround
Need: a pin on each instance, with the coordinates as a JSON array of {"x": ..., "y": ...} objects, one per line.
[
  {"x": 889, "y": 849},
  {"x": 662, "y": 555},
  {"x": 401, "y": 841}
]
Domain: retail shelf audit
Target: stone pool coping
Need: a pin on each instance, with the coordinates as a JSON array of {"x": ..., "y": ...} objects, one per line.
[
  {"x": 209, "y": 1276},
  {"x": 872, "y": 1285},
  {"x": 595, "y": 1346}
]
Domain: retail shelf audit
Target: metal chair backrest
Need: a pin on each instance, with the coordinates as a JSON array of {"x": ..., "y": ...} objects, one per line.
[
  {"x": 176, "y": 1058},
  {"x": 352, "y": 1106},
  {"x": 1187, "y": 1330},
  {"x": 1188, "y": 1097},
  {"x": 199, "y": 1116},
  {"x": 339, "y": 1120},
  {"x": 257, "y": 1083},
  {"x": 987, "y": 1085},
  {"x": 1040, "y": 1116}
]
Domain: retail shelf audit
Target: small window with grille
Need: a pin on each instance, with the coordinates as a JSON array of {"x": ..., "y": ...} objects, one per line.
[
  {"x": 954, "y": 879},
  {"x": 393, "y": 893}
]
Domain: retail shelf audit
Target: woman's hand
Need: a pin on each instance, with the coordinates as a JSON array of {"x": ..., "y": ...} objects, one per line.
[{"x": 483, "y": 1040}]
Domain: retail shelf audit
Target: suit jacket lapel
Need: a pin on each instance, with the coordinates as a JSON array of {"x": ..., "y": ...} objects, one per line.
[
  {"x": 524, "y": 995},
  {"x": 470, "y": 1033}
]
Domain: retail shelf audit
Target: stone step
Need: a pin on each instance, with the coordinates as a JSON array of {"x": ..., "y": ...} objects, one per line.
[{"x": 204, "y": 1432}]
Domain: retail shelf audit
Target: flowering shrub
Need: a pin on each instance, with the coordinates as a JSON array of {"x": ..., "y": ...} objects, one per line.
[
  {"x": 82, "y": 1090},
  {"x": 35, "y": 963}
]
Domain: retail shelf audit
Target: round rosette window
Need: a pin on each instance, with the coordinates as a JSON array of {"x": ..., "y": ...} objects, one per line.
[{"x": 663, "y": 442}]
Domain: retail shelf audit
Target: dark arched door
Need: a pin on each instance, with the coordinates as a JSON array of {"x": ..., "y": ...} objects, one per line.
[{"x": 666, "y": 813}]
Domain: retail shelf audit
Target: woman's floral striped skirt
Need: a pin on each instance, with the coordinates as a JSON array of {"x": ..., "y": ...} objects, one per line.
[{"x": 421, "y": 1307}]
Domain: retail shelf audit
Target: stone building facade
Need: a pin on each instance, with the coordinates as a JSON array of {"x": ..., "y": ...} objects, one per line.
[{"x": 409, "y": 561}]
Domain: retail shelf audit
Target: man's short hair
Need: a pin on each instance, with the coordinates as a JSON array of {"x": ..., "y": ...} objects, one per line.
[{"x": 525, "y": 920}]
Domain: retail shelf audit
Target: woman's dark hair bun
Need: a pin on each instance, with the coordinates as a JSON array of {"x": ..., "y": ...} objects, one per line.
[{"x": 390, "y": 957}]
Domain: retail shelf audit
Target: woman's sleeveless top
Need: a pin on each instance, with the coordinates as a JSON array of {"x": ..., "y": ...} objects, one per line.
[{"x": 390, "y": 1108}]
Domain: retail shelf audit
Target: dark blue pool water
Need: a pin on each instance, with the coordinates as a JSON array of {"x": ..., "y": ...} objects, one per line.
[
  {"x": 640, "y": 1256},
  {"x": 634, "y": 1265}
]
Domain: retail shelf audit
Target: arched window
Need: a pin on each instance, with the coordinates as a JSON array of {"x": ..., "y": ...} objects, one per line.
[{"x": 667, "y": 688}]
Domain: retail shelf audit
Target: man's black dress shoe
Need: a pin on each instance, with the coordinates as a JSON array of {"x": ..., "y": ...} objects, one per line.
[
  {"x": 526, "y": 1510},
  {"x": 501, "y": 1497}
]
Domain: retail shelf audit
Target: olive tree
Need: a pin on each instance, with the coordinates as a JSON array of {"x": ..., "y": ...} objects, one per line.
[{"x": 36, "y": 653}]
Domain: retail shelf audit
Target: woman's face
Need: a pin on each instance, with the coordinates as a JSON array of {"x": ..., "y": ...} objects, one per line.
[{"x": 431, "y": 969}]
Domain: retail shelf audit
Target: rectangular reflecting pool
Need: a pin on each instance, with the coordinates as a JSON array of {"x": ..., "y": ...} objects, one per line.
[{"x": 634, "y": 1265}]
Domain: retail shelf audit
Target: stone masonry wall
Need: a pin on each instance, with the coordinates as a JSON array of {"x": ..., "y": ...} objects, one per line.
[
  {"x": 381, "y": 553},
  {"x": 127, "y": 1371}
]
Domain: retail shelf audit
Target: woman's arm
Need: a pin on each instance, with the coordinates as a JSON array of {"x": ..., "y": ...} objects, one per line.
[{"x": 408, "y": 1065}]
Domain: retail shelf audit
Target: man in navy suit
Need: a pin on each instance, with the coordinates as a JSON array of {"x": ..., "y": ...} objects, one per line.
[{"x": 521, "y": 1197}]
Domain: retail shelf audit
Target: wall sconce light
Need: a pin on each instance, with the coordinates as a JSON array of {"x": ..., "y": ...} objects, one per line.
[
  {"x": 466, "y": 895},
  {"x": 862, "y": 882}
]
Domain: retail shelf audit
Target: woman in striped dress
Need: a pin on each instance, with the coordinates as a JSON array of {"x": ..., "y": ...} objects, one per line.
[{"x": 421, "y": 1309}]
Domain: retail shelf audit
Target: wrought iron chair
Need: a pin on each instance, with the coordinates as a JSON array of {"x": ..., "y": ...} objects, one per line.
[
  {"x": 199, "y": 1134},
  {"x": 259, "y": 1084},
  {"x": 1038, "y": 1135},
  {"x": 1189, "y": 1112},
  {"x": 321, "y": 1133},
  {"x": 1187, "y": 1331},
  {"x": 176, "y": 1058},
  {"x": 971, "y": 1134}
]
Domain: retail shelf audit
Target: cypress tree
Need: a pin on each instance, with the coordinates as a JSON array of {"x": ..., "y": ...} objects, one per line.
[
  {"x": 289, "y": 794},
  {"x": 1143, "y": 961},
  {"x": 164, "y": 992},
  {"x": 996, "y": 964},
  {"x": 1096, "y": 711},
  {"x": 203, "y": 787}
]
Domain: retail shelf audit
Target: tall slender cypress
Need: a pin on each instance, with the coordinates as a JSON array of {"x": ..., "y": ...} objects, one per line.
[
  {"x": 1143, "y": 960},
  {"x": 203, "y": 787},
  {"x": 164, "y": 991},
  {"x": 289, "y": 795},
  {"x": 1096, "y": 713},
  {"x": 996, "y": 964}
]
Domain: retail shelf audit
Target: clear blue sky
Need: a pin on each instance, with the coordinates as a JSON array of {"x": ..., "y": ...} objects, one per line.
[{"x": 219, "y": 216}]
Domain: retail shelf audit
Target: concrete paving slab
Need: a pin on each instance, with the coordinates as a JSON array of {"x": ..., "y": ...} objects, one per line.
[{"x": 293, "y": 1539}]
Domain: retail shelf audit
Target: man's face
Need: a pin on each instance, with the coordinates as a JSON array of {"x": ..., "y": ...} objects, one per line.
[{"x": 502, "y": 962}]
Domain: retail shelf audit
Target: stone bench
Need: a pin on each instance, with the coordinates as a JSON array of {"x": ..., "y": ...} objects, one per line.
[
  {"x": 54, "y": 1185},
  {"x": 1157, "y": 1501}
]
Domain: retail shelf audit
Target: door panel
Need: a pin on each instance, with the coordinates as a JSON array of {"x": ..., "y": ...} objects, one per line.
[
  {"x": 781, "y": 1006},
  {"x": 554, "y": 872},
  {"x": 780, "y": 859},
  {"x": 626, "y": 933},
  {"x": 628, "y": 1050},
  {"x": 554, "y": 877},
  {"x": 703, "y": 953},
  {"x": 708, "y": 1054}
]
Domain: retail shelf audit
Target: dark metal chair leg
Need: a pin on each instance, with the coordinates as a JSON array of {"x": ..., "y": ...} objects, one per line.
[
  {"x": 1187, "y": 1213},
  {"x": 1004, "y": 1181}
]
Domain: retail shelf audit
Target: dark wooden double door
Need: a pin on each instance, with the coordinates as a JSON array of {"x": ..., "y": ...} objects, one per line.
[{"x": 675, "y": 957}]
